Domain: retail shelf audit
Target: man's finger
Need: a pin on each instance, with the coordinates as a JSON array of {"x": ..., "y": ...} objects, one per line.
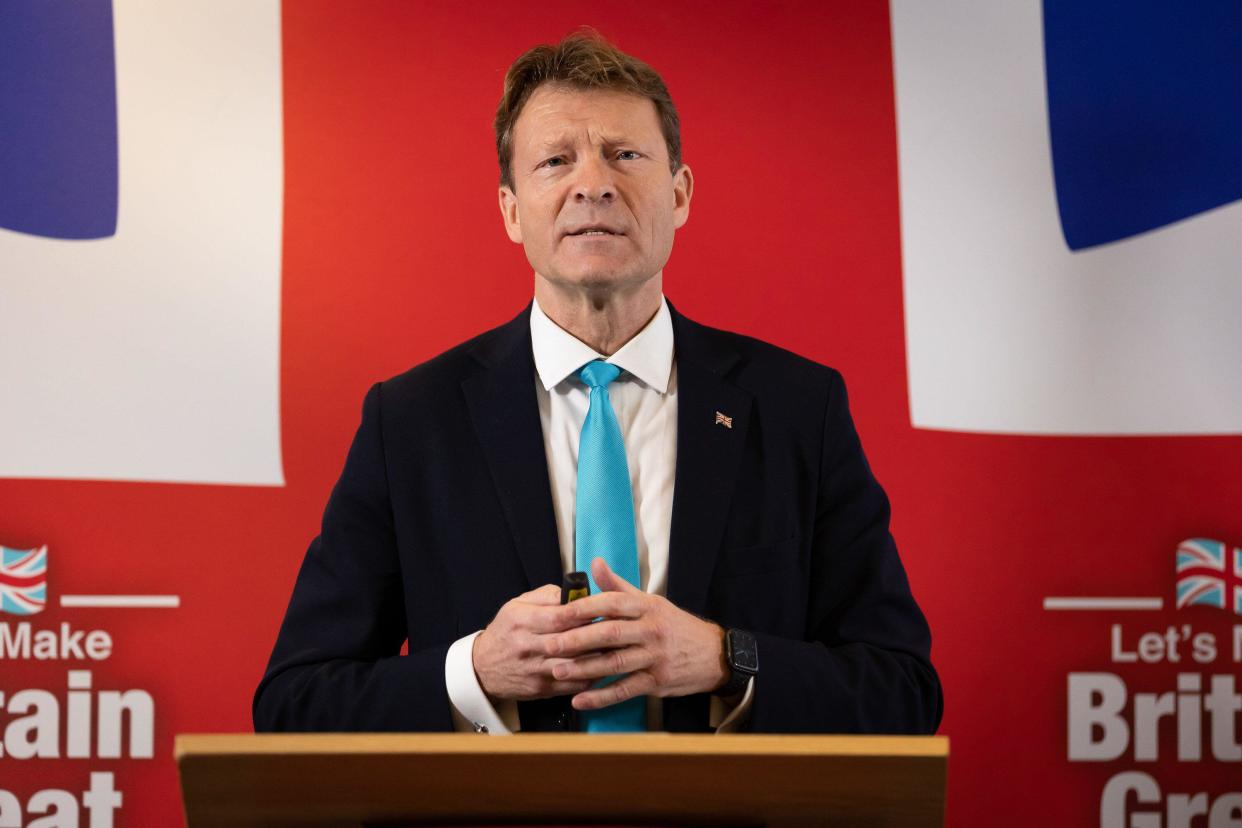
[
  {"x": 602, "y": 605},
  {"x": 605, "y": 635},
  {"x": 549, "y": 685},
  {"x": 544, "y": 620},
  {"x": 635, "y": 684},
  {"x": 546, "y": 595},
  {"x": 616, "y": 662}
]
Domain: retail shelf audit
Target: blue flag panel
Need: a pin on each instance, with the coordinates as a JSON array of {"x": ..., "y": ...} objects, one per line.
[
  {"x": 58, "y": 135},
  {"x": 1145, "y": 112}
]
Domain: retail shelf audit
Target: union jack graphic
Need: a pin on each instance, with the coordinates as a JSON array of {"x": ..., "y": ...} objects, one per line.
[
  {"x": 23, "y": 580},
  {"x": 1209, "y": 574}
]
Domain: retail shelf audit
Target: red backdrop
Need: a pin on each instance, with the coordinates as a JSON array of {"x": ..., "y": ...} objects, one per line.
[{"x": 393, "y": 252}]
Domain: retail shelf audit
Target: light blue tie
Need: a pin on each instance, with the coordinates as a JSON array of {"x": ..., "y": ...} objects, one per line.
[{"x": 604, "y": 522}]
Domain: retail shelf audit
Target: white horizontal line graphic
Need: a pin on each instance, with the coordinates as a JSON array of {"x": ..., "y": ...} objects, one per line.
[
  {"x": 1062, "y": 603},
  {"x": 149, "y": 601}
]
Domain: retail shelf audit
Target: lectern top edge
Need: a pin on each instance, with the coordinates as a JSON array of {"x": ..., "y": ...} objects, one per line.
[{"x": 285, "y": 744}]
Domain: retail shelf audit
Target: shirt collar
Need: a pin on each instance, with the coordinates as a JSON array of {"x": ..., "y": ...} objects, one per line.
[{"x": 648, "y": 355}]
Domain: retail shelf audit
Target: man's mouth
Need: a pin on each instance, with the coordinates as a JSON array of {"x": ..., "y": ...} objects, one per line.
[{"x": 595, "y": 230}]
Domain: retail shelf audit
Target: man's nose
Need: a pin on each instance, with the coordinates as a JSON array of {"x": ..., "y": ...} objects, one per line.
[{"x": 594, "y": 181}]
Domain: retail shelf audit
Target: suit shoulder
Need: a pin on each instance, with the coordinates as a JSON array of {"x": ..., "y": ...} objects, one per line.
[
  {"x": 443, "y": 374},
  {"x": 765, "y": 364}
]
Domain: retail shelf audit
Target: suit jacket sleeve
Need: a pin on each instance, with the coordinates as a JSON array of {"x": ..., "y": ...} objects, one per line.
[
  {"x": 336, "y": 664},
  {"x": 864, "y": 664}
]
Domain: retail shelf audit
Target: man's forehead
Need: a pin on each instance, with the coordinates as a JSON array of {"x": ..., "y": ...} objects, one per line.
[
  {"x": 556, "y": 114},
  {"x": 562, "y": 91}
]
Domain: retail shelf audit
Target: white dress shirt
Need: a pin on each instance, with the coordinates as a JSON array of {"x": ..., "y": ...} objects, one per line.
[{"x": 644, "y": 398}]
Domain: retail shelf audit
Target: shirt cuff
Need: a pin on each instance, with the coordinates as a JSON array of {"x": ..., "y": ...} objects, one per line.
[
  {"x": 728, "y": 717},
  {"x": 473, "y": 711}
]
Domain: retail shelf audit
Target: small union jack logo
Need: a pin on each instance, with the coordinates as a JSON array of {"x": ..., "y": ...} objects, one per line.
[
  {"x": 1209, "y": 574},
  {"x": 724, "y": 420},
  {"x": 23, "y": 580}
]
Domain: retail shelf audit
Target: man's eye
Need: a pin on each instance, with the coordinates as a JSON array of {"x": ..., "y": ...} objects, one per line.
[
  {"x": 627, "y": 155},
  {"x": 554, "y": 162}
]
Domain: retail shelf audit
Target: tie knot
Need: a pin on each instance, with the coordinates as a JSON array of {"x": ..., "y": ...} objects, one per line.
[{"x": 597, "y": 373}]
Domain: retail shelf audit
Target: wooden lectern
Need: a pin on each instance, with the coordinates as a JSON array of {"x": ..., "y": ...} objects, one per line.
[{"x": 652, "y": 779}]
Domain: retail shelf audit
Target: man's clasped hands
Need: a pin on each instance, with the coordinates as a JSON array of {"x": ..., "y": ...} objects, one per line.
[{"x": 537, "y": 647}]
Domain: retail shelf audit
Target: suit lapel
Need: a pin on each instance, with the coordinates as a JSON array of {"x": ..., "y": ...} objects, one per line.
[
  {"x": 505, "y": 415},
  {"x": 709, "y": 457}
]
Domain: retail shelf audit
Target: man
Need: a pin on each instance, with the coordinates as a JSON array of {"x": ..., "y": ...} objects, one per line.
[{"x": 713, "y": 486}]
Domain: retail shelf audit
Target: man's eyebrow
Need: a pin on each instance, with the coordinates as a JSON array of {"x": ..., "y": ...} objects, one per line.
[
  {"x": 617, "y": 140},
  {"x": 553, "y": 144}
]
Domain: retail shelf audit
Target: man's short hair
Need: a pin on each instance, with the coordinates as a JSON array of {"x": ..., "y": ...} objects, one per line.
[{"x": 583, "y": 60}]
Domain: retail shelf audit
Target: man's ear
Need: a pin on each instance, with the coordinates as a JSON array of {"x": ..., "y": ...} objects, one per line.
[
  {"x": 509, "y": 213},
  {"x": 683, "y": 189}
]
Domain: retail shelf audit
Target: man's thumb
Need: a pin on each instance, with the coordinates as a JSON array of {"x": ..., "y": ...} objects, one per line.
[{"x": 609, "y": 580}]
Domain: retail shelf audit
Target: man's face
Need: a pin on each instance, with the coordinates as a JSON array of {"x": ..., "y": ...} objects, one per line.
[{"x": 593, "y": 203}]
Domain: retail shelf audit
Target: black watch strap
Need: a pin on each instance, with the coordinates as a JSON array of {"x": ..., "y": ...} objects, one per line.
[{"x": 742, "y": 657}]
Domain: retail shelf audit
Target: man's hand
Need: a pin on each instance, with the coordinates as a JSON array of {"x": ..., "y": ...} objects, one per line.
[
  {"x": 665, "y": 650},
  {"x": 509, "y": 656}
]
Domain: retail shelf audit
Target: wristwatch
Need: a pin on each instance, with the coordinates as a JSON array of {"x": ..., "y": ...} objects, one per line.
[{"x": 742, "y": 656}]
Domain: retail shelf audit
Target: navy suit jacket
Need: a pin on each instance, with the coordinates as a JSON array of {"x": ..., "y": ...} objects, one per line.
[{"x": 443, "y": 513}]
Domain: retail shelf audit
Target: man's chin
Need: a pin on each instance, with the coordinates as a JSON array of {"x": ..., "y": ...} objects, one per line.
[{"x": 598, "y": 280}]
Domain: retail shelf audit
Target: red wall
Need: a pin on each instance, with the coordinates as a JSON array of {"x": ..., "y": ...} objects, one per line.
[{"x": 394, "y": 251}]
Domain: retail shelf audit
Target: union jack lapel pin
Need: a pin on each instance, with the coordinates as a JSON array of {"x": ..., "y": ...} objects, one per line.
[{"x": 724, "y": 420}]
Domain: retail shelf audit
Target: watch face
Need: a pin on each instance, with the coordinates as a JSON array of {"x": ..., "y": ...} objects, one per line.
[{"x": 743, "y": 652}]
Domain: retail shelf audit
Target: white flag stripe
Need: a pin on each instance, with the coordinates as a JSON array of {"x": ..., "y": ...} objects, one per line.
[
  {"x": 154, "y": 355},
  {"x": 1007, "y": 330},
  {"x": 133, "y": 601},
  {"x": 1075, "y": 603}
]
